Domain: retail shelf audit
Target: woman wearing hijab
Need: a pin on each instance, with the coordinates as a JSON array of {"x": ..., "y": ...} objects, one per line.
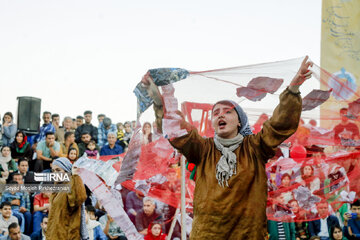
[
  {"x": 8, "y": 129},
  {"x": 7, "y": 164},
  {"x": 155, "y": 232},
  {"x": 20, "y": 148},
  {"x": 231, "y": 183},
  {"x": 67, "y": 211}
]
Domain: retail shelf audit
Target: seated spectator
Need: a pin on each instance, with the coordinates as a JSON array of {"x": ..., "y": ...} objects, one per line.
[
  {"x": 46, "y": 127},
  {"x": 93, "y": 227},
  {"x": 281, "y": 230},
  {"x": 60, "y": 131},
  {"x": 20, "y": 148},
  {"x": 104, "y": 129},
  {"x": 128, "y": 132},
  {"x": 14, "y": 233},
  {"x": 41, "y": 209},
  {"x": 112, "y": 148},
  {"x": 322, "y": 226},
  {"x": 352, "y": 221},
  {"x": 40, "y": 234},
  {"x": 155, "y": 232},
  {"x": 120, "y": 135},
  {"x": 7, "y": 164},
  {"x": 55, "y": 121},
  {"x": 8, "y": 129},
  {"x": 68, "y": 143},
  {"x": 146, "y": 133},
  {"x": 134, "y": 203},
  {"x": 23, "y": 170},
  {"x": 72, "y": 155},
  {"x": 86, "y": 127},
  {"x": 26, "y": 210},
  {"x": 17, "y": 200},
  {"x": 336, "y": 233},
  {"x": 146, "y": 216},
  {"x": 85, "y": 140},
  {"x": 91, "y": 150},
  {"x": 46, "y": 151},
  {"x": 6, "y": 218},
  {"x": 73, "y": 125},
  {"x": 79, "y": 121},
  {"x": 110, "y": 228}
]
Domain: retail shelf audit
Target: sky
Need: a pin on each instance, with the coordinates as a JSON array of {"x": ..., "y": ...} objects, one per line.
[{"x": 86, "y": 54}]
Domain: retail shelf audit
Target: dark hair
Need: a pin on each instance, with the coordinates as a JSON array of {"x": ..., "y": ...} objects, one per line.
[
  {"x": 46, "y": 112},
  {"x": 80, "y": 117},
  {"x": 355, "y": 203},
  {"x": 72, "y": 148},
  {"x": 8, "y": 114},
  {"x": 15, "y": 174},
  {"x": 20, "y": 131},
  {"x": 90, "y": 208},
  {"x": 101, "y": 115},
  {"x": 91, "y": 141},
  {"x": 5, "y": 147},
  {"x": 68, "y": 134},
  {"x": 46, "y": 216},
  {"x": 55, "y": 115},
  {"x": 12, "y": 226},
  {"x": 150, "y": 135},
  {"x": 343, "y": 109},
  {"x": 332, "y": 230},
  {"x": 3, "y": 204},
  {"x": 87, "y": 112},
  {"x": 22, "y": 159},
  {"x": 84, "y": 133},
  {"x": 285, "y": 175},
  {"x": 49, "y": 133}
]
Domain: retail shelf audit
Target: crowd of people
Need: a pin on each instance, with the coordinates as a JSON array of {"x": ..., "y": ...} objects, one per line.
[{"x": 26, "y": 214}]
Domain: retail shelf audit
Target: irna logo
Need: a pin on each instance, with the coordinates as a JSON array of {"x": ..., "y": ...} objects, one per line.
[{"x": 51, "y": 177}]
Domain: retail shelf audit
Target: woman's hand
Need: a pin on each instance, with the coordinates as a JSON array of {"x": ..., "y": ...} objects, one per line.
[{"x": 302, "y": 75}]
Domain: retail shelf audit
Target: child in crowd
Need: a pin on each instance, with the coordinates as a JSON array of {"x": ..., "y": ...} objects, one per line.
[
  {"x": 352, "y": 221},
  {"x": 72, "y": 155},
  {"x": 91, "y": 150},
  {"x": 93, "y": 227},
  {"x": 155, "y": 232}
]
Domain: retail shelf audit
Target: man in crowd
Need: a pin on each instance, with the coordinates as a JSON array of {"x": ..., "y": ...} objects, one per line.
[
  {"x": 46, "y": 127},
  {"x": 134, "y": 203},
  {"x": 104, "y": 128},
  {"x": 55, "y": 120},
  {"x": 79, "y": 121},
  {"x": 87, "y": 127},
  {"x": 41, "y": 209},
  {"x": 112, "y": 148},
  {"x": 146, "y": 216},
  {"x": 6, "y": 218},
  {"x": 352, "y": 221},
  {"x": 23, "y": 169},
  {"x": 110, "y": 228},
  {"x": 60, "y": 131},
  {"x": 345, "y": 129},
  {"x": 46, "y": 150},
  {"x": 15, "y": 233},
  {"x": 26, "y": 209},
  {"x": 322, "y": 226},
  {"x": 100, "y": 118},
  {"x": 85, "y": 140},
  {"x": 40, "y": 234}
]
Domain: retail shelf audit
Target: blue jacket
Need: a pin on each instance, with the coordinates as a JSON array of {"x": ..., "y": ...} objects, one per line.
[
  {"x": 99, "y": 234},
  {"x": 106, "y": 150},
  {"x": 9, "y": 134},
  {"x": 37, "y": 235},
  {"x": 314, "y": 226}
]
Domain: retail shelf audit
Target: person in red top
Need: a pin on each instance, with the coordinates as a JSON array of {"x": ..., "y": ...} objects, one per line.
[
  {"x": 155, "y": 232},
  {"x": 41, "y": 209},
  {"x": 345, "y": 129}
]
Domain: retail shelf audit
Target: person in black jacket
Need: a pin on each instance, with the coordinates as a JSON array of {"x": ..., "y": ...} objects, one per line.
[
  {"x": 39, "y": 234},
  {"x": 86, "y": 127},
  {"x": 23, "y": 169},
  {"x": 20, "y": 147},
  {"x": 322, "y": 226}
]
